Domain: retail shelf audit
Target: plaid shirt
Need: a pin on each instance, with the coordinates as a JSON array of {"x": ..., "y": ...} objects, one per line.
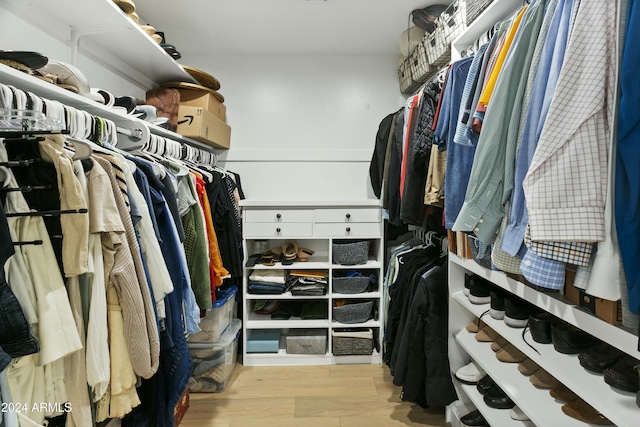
[{"x": 567, "y": 182}]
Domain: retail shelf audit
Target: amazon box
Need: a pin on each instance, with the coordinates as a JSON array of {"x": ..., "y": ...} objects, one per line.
[
  {"x": 203, "y": 99},
  {"x": 199, "y": 124}
]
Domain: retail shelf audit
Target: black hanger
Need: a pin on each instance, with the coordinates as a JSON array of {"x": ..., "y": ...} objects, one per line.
[
  {"x": 48, "y": 213},
  {"x": 26, "y": 188},
  {"x": 18, "y": 163},
  {"x": 32, "y": 242}
]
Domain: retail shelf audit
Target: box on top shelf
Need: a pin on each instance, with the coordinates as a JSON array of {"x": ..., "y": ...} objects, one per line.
[
  {"x": 213, "y": 363},
  {"x": 218, "y": 317},
  {"x": 203, "y": 99},
  {"x": 201, "y": 125}
]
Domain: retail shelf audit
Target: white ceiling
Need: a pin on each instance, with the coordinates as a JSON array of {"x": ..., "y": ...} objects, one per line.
[{"x": 243, "y": 27}]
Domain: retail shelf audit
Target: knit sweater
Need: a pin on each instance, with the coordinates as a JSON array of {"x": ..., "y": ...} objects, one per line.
[{"x": 128, "y": 276}]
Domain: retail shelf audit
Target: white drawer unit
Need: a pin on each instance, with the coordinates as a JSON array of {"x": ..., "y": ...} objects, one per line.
[
  {"x": 278, "y": 215},
  {"x": 348, "y": 215},
  {"x": 288, "y": 229},
  {"x": 314, "y": 226},
  {"x": 346, "y": 230}
]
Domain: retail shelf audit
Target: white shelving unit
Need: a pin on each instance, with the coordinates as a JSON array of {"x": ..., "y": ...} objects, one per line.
[
  {"x": 618, "y": 406},
  {"x": 314, "y": 225},
  {"x": 103, "y": 32}
]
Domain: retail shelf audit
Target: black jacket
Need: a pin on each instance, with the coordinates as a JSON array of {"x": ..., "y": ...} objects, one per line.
[{"x": 423, "y": 361}]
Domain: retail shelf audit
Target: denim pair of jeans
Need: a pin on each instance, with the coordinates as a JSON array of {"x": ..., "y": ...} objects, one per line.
[{"x": 15, "y": 335}]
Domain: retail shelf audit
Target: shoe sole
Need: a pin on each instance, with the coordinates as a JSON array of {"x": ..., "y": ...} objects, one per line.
[
  {"x": 496, "y": 314},
  {"x": 620, "y": 386},
  {"x": 479, "y": 300},
  {"x": 467, "y": 382},
  {"x": 515, "y": 323}
]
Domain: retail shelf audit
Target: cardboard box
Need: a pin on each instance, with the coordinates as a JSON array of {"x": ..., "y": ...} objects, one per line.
[
  {"x": 609, "y": 311},
  {"x": 203, "y": 99},
  {"x": 199, "y": 124}
]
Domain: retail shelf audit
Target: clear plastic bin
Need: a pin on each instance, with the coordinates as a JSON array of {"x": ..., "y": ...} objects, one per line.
[
  {"x": 213, "y": 364},
  {"x": 218, "y": 318}
]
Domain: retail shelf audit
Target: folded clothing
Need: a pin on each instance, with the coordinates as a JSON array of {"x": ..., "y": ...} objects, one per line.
[
  {"x": 272, "y": 276},
  {"x": 266, "y": 288}
]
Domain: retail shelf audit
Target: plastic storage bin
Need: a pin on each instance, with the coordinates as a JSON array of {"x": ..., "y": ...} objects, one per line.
[
  {"x": 214, "y": 363},
  {"x": 306, "y": 341},
  {"x": 217, "y": 319}
]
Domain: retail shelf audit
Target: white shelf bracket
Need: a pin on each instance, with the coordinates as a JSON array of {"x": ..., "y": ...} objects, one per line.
[{"x": 77, "y": 33}]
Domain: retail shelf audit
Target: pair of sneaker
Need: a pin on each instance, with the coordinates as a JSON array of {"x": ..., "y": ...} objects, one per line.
[{"x": 503, "y": 305}]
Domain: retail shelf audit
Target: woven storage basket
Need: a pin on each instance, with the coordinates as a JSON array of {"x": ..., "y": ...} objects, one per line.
[
  {"x": 475, "y": 8},
  {"x": 349, "y": 343},
  {"x": 421, "y": 70},
  {"x": 350, "y": 253},
  {"x": 353, "y": 313},
  {"x": 350, "y": 285},
  {"x": 407, "y": 83},
  {"x": 449, "y": 25}
]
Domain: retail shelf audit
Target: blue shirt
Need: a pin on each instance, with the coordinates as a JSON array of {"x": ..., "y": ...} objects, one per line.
[
  {"x": 459, "y": 157},
  {"x": 544, "y": 86}
]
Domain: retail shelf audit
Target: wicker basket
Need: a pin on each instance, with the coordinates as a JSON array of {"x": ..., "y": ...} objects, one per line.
[
  {"x": 353, "y": 313},
  {"x": 405, "y": 77},
  {"x": 449, "y": 25},
  {"x": 421, "y": 70},
  {"x": 350, "y": 253},
  {"x": 348, "y": 343},
  {"x": 350, "y": 285},
  {"x": 475, "y": 8}
]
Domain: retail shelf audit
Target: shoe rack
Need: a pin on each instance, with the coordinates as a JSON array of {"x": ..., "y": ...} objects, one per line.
[
  {"x": 316, "y": 226},
  {"x": 537, "y": 404}
]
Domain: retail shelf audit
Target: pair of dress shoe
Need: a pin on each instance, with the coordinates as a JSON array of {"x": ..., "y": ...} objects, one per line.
[{"x": 493, "y": 395}]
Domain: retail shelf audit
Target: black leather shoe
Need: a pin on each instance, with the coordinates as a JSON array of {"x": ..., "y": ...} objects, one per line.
[
  {"x": 474, "y": 419},
  {"x": 599, "y": 357},
  {"x": 479, "y": 291},
  {"x": 623, "y": 375},
  {"x": 517, "y": 312},
  {"x": 568, "y": 339},
  {"x": 498, "y": 399},
  {"x": 540, "y": 327},
  {"x": 497, "y": 303},
  {"x": 485, "y": 384}
]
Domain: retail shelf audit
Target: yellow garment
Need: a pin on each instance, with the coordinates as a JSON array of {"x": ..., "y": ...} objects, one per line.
[
  {"x": 123, "y": 380},
  {"x": 491, "y": 83},
  {"x": 215, "y": 257}
]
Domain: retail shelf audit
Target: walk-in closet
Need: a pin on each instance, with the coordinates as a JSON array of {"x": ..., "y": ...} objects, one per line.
[{"x": 304, "y": 213}]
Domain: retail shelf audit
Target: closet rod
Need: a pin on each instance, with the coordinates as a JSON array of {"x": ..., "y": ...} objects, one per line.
[{"x": 134, "y": 135}]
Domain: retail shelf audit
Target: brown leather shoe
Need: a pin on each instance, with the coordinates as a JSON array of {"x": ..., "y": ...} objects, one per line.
[
  {"x": 528, "y": 367},
  {"x": 563, "y": 394},
  {"x": 475, "y": 325},
  {"x": 581, "y": 410},
  {"x": 510, "y": 354},
  {"x": 487, "y": 334},
  {"x": 499, "y": 343},
  {"x": 543, "y": 379}
]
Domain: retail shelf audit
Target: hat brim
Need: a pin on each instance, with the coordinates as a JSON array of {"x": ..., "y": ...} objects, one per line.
[
  {"x": 33, "y": 60},
  {"x": 205, "y": 79},
  {"x": 193, "y": 86}
]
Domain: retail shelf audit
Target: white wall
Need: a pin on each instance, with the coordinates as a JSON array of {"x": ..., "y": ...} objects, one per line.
[{"x": 303, "y": 127}]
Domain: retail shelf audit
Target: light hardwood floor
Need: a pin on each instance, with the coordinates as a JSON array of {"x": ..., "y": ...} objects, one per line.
[{"x": 308, "y": 396}]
